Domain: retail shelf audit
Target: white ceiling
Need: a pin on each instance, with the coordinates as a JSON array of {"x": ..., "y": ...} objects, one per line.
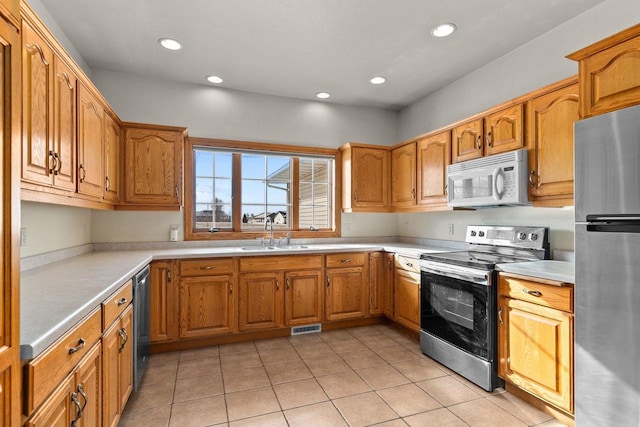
[{"x": 296, "y": 48}]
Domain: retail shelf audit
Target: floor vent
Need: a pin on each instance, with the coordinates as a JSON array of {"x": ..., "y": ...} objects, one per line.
[{"x": 307, "y": 329}]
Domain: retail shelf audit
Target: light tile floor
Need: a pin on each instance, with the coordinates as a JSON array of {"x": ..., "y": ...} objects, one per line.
[{"x": 372, "y": 375}]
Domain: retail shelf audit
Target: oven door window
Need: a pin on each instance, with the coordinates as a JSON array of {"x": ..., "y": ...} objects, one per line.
[{"x": 456, "y": 311}]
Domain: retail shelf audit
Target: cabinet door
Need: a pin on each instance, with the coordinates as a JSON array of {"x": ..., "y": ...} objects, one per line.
[
  {"x": 403, "y": 173},
  {"x": 466, "y": 141},
  {"x": 407, "y": 292},
  {"x": 377, "y": 279},
  {"x": 37, "y": 155},
  {"x": 111, "y": 159},
  {"x": 125, "y": 360},
  {"x": 388, "y": 294},
  {"x": 503, "y": 130},
  {"x": 10, "y": 367},
  {"x": 550, "y": 126},
  {"x": 434, "y": 155},
  {"x": 90, "y": 143},
  {"x": 260, "y": 304},
  {"x": 64, "y": 126},
  {"x": 206, "y": 306},
  {"x": 88, "y": 387},
  {"x": 535, "y": 350},
  {"x": 346, "y": 295},
  {"x": 163, "y": 306},
  {"x": 57, "y": 410},
  {"x": 110, "y": 376},
  {"x": 153, "y": 160},
  {"x": 303, "y": 297},
  {"x": 370, "y": 177}
]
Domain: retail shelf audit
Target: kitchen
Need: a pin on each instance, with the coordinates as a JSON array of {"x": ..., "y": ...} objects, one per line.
[{"x": 242, "y": 116}]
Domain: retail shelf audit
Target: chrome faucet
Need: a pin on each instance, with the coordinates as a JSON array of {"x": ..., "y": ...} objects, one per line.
[{"x": 268, "y": 221}]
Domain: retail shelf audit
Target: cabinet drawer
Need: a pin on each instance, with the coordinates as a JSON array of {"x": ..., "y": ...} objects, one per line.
[
  {"x": 280, "y": 263},
  {"x": 349, "y": 259},
  {"x": 558, "y": 297},
  {"x": 115, "y": 304},
  {"x": 206, "y": 267},
  {"x": 408, "y": 264},
  {"x": 45, "y": 372}
]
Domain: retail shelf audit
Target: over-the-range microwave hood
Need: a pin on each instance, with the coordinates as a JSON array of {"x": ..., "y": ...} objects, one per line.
[{"x": 498, "y": 180}]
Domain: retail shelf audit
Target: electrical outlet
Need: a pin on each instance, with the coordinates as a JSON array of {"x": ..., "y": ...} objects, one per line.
[
  {"x": 346, "y": 226},
  {"x": 451, "y": 229},
  {"x": 23, "y": 236}
]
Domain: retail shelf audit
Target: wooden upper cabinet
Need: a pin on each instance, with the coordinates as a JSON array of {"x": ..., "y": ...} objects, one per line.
[
  {"x": 609, "y": 73},
  {"x": 64, "y": 125},
  {"x": 403, "y": 175},
  {"x": 365, "y": 178},
  {"x": 90, "y": 143},
  {"x": 504, "y": 131},
  {"x": 550, "y": 121},
  {"x": 111, "y": 159},
  {"x": 153, "y": 165},
  {"x": 467, "y": 141},
  {"x": 434, "y": 155},
  {"x": 37, "y": 122}
]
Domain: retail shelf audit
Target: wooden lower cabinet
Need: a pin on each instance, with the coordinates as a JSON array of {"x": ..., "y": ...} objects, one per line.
[
  {"x": 207, "y": 306},
  {"x": 302, "y": 297},
  {"x": 117, "y": 367},
  {"x": 163, "y": 302},
  {"x": 260, "y": 304},
  {"x": 407, "y": 299},
  {"x": 381, "y": 284},
  {"x": 346, "y": 293},
  {"x": 80, "y": 389},
  {"x": 535, "y": 339}
]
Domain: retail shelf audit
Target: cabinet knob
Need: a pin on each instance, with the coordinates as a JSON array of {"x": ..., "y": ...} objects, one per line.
[
  {"x": 124, "y": 337},
  {"x": 287, "y": 283},
  {"x": 479, "y": 142},
  {"x": 500, "y": 315},
  {"x": 532, "y": 293},
  {"x": 489, "y": 138},
  {"x": 80, "y": 346},
  {"x": 345, "y": 260},
  {"x": 328, "y": 281},
  {"x": 531, "y": 176},
  {"x": 84, "y": 173},
  {"x": 121, "y": 301}
]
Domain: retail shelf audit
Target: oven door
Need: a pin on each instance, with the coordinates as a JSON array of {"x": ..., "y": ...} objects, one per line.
[{"x": 457, "y": 305}]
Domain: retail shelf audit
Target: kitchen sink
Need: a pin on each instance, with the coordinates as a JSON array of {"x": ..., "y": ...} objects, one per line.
[{"x": 258, "y": 248}]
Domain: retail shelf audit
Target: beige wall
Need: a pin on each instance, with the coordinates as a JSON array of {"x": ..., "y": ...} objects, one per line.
[{"x": 51, "y": 227}]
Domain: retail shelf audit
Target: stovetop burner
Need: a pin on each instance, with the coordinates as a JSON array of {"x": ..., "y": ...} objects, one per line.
[{"x": 481, "y": 260}]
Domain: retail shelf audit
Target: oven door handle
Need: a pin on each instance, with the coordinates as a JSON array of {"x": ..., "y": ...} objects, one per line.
[{"x": 456, "y": 272}]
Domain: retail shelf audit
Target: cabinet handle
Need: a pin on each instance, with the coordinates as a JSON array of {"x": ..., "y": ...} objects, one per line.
[
  {"x": 84, "y": 173},
  {"x": 446, "y": 189},
  {"x": 124, "y": 337},
  {"x": 328, "y": 281},
  {"x": 207, "y": 267},
  {"x": 345, "y": 260},
  {"x": 288, "y": 283},
  {"x": 355, "y": 195},
  {"x": 531, "y": 176},
  {"x": 168, "y": 275},
  {"x": 532, "y": 293},
  {"x": 107, "y": 182},
  {"x": 408, "y": 264},
  {"x": 68, "y": 80},
  {"x": 33, "y": 48},
  {"x": 230, "y": 288},
  {"x": 121, "y": 301},
  {"x": 500, "y": 315},
  {"x": 413, "y": 193},
  {"x": 479, "y": 142},
  {"x": 176, "y": 190},
  {"x": 277, "y": 285},
  {"x": 489, "y": 138},
  {"x": 84, "y": 396},
  {"x": 53, "y": 169},
  {"x": 79, "y": 347},
  {"x": 74, "y": 399}
]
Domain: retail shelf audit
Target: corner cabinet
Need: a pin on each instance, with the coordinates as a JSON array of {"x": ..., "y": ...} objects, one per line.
[
  {"x": 366, "y": 173},
  {"x": 535, "y": 337},
  {"x": 609, "y": 73},
  {"x": 152, "y": 173},
  {"x": 551, "y": 115}
]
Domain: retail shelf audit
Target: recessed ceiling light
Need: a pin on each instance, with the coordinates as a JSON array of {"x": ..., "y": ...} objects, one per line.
[
  {"x": 214, "y": 79},
  {"x": 378, "y": 80},
  {"x": 323, "y": 95},
  {"x": 443, "y": 30},
  {"x": 170, "y": 44}
]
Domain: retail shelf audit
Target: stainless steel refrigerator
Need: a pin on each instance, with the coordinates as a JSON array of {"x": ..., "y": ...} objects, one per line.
[{"x": 607, "y": 251}]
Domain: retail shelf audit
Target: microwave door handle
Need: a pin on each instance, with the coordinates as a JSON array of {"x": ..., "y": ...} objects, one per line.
[{"x": 498, "y": 192}]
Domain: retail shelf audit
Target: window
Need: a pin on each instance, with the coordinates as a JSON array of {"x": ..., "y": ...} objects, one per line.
[{"x": 232, "y": 189}]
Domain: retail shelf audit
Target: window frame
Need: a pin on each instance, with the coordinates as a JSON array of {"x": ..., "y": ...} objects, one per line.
[{"x": 266, "y": 148}]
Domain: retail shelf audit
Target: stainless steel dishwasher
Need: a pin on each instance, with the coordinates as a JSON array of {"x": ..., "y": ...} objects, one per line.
[{"x": 140, "y": 325}]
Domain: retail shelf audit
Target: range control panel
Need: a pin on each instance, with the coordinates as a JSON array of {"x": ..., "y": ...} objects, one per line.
[{"x": 513, "y": 236}]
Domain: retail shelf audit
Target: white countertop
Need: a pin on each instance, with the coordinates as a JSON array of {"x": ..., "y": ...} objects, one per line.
[
  {"x": 561, "y": 271},
  {"x": 56, "y": 296}
]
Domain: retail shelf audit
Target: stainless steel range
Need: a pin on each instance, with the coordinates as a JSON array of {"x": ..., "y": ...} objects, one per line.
[{"x": 458, "y": 298}]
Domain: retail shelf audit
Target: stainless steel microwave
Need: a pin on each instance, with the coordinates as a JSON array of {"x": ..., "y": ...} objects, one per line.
[{"x": 489, "y": 181}]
